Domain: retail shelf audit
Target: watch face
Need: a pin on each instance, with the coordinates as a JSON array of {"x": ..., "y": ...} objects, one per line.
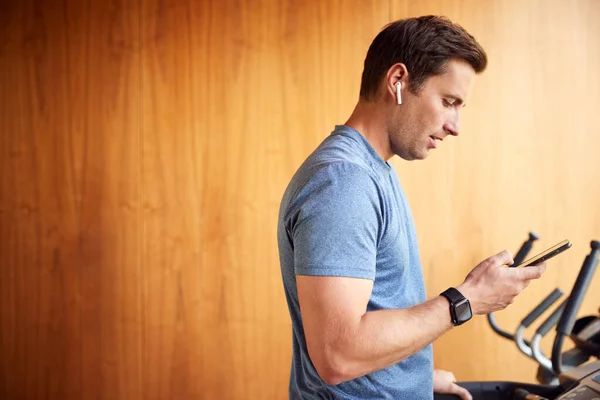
[{"x": 463, "y": 311}]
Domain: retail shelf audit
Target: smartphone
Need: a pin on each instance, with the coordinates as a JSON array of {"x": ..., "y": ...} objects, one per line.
[{"x": 546, "y": 254}]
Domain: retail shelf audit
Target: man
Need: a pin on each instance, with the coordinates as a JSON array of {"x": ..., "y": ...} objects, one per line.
[{"x": 362, "y": 325}]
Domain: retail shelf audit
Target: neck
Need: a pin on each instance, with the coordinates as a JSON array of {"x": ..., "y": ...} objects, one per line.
[{"x": 369, "y": 119}]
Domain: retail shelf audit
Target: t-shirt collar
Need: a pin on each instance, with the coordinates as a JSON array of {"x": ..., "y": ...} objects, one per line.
[{"x": 374, "y": 159}]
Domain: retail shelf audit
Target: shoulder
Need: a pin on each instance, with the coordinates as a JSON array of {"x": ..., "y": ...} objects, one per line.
[
  {"x": 338, "y": 178},
  {"x": 336, "y": 191}
]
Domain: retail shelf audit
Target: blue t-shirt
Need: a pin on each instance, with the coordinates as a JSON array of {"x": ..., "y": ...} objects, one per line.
[{"x": 345, "y": 214}]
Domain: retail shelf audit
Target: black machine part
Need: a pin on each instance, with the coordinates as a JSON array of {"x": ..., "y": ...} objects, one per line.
[
  {"x": 586, "y": 335},
  {"x": 503, "y": 391},
  {"x": 581, "y": 383},
  {"x": 567, "y": 319}
]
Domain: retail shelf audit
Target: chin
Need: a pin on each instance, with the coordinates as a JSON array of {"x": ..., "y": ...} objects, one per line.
[
  {"x": 409, "y": 155},
  {"x": 413, "y": 157},
  {"x": 420, "y": 156}
]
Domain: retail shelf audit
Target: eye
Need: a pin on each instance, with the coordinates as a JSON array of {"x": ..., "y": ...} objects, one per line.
[{"x": 448, "y": 103}]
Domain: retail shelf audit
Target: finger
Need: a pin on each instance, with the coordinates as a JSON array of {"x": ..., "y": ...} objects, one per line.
[
  {"x": 503, "y": 258},
  {"x": 533, "y": 272},
  {"x": 451, "y": 377},
  {"x": 461, "y": 392}
]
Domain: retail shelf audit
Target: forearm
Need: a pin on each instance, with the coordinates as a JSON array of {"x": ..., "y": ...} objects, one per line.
[{"x": 384, "y": 337}]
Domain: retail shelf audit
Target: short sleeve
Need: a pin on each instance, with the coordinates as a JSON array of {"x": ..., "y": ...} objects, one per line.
[{"x": 334, "y": 223}]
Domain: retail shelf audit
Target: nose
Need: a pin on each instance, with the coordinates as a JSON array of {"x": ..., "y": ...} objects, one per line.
[
  {"x": 451, "y": 130},
  {"x": 452, "y": 127}
]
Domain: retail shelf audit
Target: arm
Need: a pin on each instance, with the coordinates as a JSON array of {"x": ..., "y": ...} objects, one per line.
[{"x": 345, "y": 342}]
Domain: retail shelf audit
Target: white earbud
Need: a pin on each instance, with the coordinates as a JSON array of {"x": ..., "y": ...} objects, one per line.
[{"x": 399, "y": 92}]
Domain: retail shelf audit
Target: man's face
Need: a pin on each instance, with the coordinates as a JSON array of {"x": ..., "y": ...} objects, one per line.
[{"x": 423, "y": 120}]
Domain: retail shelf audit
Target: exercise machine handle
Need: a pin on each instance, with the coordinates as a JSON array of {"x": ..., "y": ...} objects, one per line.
[
  {"x": 565, "y": 325},
  {"x": 551, "y": 320},
  {"x": 543, "y": 306},
  {"x": 567, "y": 320},
  {"x": 526, "y": 348}
]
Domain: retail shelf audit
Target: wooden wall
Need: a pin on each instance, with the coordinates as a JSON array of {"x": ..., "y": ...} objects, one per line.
[{"x": 145, "y": 145}]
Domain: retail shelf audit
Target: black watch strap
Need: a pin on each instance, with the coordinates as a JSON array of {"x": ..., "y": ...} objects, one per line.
[
  {"x": 460, "y": 308},
  {"x": 453, "y": 295}
]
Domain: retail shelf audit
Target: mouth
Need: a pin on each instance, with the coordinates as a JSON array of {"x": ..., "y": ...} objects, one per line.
[{"x": 432, "y": 142}]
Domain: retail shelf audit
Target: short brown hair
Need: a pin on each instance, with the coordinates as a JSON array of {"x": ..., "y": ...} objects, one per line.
[{"x": 425, "y": 45}]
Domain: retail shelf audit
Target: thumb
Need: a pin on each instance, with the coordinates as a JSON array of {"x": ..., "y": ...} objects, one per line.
[{"x": 460, "y": 391}]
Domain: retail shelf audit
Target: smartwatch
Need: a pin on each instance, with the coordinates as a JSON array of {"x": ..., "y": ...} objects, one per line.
[{"x": 460, "y": 308}]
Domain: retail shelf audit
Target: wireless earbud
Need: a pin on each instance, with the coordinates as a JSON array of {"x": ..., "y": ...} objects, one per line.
[{"x": 399, "y": 92}]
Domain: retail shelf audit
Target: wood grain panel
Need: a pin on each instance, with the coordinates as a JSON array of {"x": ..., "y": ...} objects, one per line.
[
  {"x": 70, "y": 284},
  {"x": 171, "y": 153},
  {"x": 235, "y": 94},
  {"x": 526, "y": 160}
]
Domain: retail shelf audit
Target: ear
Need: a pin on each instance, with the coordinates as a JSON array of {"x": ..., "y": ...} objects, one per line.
[{"x": 396, "y": 80}]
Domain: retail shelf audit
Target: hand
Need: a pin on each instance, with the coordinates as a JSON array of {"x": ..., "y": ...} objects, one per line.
[
  {"x": 444, "y": 382},
  {"x": 491, "y": 286}
]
